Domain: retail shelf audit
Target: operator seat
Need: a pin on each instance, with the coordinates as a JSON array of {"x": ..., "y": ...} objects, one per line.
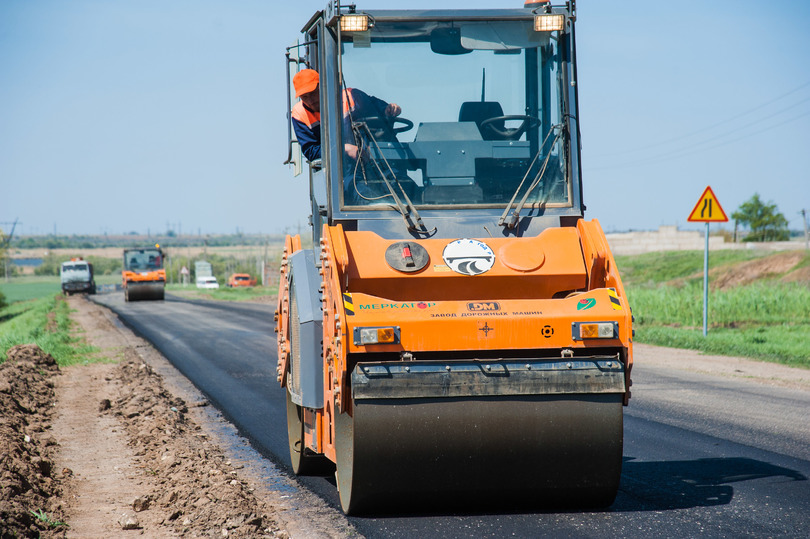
[{"x": 478, "y": 112}]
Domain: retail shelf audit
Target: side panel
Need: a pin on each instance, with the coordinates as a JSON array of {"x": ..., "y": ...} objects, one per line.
[
  {"x": 602, "y": 272},
  {"x": 307, "y": 363}
]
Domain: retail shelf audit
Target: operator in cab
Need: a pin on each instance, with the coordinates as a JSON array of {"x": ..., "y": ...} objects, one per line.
[{"x": 306, "y": 114}]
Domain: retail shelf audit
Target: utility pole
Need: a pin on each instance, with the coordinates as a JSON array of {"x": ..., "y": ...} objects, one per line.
[
  {"x": 5, "y": 244},
  {"x": 806, "y": 236},
  {"x": 265, "y": 280}
]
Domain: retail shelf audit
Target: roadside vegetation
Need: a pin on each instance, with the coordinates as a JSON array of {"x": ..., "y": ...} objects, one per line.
[
  {"x": 24, "y": 288},
  {"x": 29, "y": 287},
  {"x": 759, "y": 305},
  {"x": 221, "y": 266},
  {"x": 223, "y": 293},
  {"x": 763, "y": 219},
  {"x": 52, "y": 263},
  {"x": 46, "y": 322},
  {"x": 133, "y": 239}
]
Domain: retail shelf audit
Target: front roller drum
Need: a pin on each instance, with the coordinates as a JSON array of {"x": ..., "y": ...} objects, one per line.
[
  {"x": 529, "y": 451},
  {"x": 144, "y": 291}
]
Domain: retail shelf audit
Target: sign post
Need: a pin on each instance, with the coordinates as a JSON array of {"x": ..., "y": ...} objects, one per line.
[{"x": 707, "y": 210}]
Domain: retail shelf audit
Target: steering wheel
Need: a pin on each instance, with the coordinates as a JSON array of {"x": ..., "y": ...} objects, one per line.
[
  {"x": 510, "y": 133},
  {"x": 382, "y": 123}
]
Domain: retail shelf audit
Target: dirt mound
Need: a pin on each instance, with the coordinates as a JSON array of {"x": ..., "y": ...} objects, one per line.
[
  {"x": 31, "y": 353},
  {"x": 200, "y": 493},
  {"x": 29, "y": 485},
  {"x": 800, "y": 275},
  {"x": 748, "y": 272}
]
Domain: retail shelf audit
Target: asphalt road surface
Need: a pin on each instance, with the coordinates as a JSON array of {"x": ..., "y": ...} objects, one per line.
[{"x": 704, "y": 456}]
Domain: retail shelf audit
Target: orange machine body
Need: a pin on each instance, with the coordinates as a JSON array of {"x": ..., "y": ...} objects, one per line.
[
  {"x": 149, "y": 276},
  {"x": 531, "y": 299}
]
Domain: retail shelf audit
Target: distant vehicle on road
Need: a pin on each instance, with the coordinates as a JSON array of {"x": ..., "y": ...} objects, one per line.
[
  {"x": 207, "y": 281},
  {"x": 143, "y": 276},
  {"x": 77, "y": 276},
  {"x": 240, "y": 279}
]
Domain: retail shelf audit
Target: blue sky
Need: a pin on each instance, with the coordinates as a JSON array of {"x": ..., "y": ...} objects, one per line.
[{"x": 143, "y": 116}]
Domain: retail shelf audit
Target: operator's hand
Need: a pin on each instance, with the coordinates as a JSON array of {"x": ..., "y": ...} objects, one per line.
[
  {"x": 393, "y": 110},
  {"x": 353, "y": 152}
]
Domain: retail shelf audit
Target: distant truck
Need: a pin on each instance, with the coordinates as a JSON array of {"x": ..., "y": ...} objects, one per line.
[
  {"x": 77, "y": 276},
  {"x": 143, "y": 276},
  {"x": 240, "y": 279}
]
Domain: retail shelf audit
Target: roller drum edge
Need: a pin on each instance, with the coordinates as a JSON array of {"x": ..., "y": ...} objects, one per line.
[
  {"x": 146, "y": 291},
  {"x": 529, "y": 451}
]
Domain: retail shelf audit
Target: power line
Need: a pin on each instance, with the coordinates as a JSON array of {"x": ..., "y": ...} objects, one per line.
[
  {"x": 684, "y": 152},
  {"x": 749, "y": 124},
  {"x": 721, "y": 122}
]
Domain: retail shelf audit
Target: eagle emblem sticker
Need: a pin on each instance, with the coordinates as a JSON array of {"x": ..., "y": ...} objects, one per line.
[{"x": 468, "y": 257}]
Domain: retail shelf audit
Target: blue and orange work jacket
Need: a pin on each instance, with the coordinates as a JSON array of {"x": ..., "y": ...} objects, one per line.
[{"x": 307, "y": 123}]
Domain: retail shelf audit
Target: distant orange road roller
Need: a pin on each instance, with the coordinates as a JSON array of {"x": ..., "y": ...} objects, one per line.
[{"x": 143, "y": 276}]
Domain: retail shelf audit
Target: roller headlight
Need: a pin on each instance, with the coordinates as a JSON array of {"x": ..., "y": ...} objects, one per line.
[
  {"x": 376, "y": 335},
  {"x": 581, "y": 331}
]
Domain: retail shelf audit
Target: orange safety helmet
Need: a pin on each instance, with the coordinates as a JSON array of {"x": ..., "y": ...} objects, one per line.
[{"x": 305, "y": 81}]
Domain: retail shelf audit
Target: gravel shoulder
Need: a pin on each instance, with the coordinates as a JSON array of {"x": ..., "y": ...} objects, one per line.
[{"x": 761, "y": 372}]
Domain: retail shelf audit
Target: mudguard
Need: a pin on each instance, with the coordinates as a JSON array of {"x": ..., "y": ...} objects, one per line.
[{"x": 306, "y": 332}]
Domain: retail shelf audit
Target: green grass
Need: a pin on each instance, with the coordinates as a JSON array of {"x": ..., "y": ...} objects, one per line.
[
  {"x": 45, "y": 322},
  {"x": 763, "y": 302},
  {"x": 29, "y": 287},
  {"x": 767, "y": 319},
  {"x": 42, "y": 516},
  {"x": 223, "y": 293},
  {"x": 786, "y": 344},
  {"x": 35, "y": 286}
]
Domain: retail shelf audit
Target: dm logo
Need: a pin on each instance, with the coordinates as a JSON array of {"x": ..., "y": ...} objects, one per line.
[
  {"x": 585, "y": 304},
  {"x": 468, "y": 257},
  {"x": 483, "y": 306}
]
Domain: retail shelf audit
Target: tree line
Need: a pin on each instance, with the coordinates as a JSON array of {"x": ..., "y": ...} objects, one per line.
[
  {"x": 763, "y": 219},
  {"x": 52, "y": 241}
]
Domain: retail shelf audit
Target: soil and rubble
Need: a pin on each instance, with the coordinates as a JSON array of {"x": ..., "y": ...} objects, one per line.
[
  {"x": 30, "y": 484},
  {"x": 111, "y": 449}
]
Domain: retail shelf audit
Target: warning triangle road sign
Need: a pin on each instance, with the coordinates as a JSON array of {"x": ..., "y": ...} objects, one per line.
[{"x": 708, "y": 209}]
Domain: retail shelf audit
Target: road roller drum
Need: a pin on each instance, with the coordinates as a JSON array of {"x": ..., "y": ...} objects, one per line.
[{"x": 511, "y": 443}]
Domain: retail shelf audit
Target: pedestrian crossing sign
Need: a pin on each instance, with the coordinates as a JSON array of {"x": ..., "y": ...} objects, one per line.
[{"x": 708, "y": 209}]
